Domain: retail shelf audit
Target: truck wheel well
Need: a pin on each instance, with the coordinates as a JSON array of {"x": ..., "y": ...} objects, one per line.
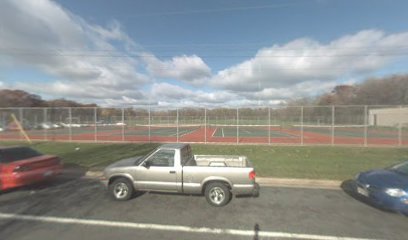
[
  {"x": 112, "y": 179},
  {"x": 215, "y": 181}
]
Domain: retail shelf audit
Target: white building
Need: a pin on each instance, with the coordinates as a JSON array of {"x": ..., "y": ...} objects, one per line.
[{"x": 388, "y": 117}]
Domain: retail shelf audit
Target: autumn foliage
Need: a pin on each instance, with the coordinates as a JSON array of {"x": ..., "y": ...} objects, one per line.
[{"x": 19, "y": 98}]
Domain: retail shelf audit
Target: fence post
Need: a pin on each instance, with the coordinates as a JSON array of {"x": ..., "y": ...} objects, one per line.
[
  {"x": 96, "y": 127},
  {"x": 45, "y": 136},
  {"x": 237, "y": 125},
  {"x": 400, "y": 127},
  {"x": 177, "y": 124},
  {"x": 20, "y": 116},
  {"x": 365, "y": 125},
  {"x": 123, "y": 124},
  {"x": 70, "y": 124},
  {"x": 301, "y": 126},
  {"x": 269, "y": 125},
  {"x": 205, "y": 125},
  {"x": 21, "y": 120},
  {"x": 149, "y": 123},
  {"x": 332, "y": 127}
]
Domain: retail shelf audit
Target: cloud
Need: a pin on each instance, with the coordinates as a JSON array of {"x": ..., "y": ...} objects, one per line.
[
  {"x": 296, "y": 91},
  {"x": 306, "y": 60},
  {"x": 80, "y": 91},
  {"x": 102, "y": 64},
  {"x": 190, "y": 69},
  {"x": 43, "y": 35},
  {"x": 169, "y": 91},
  {"x": 171, "y": 95},
  {"x": 127, "y": 101}
]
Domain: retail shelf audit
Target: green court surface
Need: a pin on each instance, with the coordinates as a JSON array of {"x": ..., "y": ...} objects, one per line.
[
  {"x": 159, "y": 131},
  {"x": 116, "y": 131},
  {"x": 63, "y": 131},
  {"x": 250, "y": 131},
  {"x": 357, "y": 132}
]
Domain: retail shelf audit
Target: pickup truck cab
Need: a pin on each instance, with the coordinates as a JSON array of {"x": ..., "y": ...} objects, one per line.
[{"x": 173, "y": 168}]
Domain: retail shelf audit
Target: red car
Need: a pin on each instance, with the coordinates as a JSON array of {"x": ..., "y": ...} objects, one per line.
[{"x": 21, "y": 166}]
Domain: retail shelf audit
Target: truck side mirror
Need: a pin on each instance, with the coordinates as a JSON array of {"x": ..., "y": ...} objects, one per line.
[{"x": 147, "y": 164}]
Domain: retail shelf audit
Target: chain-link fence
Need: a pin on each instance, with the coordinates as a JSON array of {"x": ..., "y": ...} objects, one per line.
[{"x": 295, "y": 125}]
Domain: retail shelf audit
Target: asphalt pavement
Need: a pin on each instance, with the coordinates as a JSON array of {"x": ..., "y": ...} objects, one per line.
[{"x": 80, "y": 208}]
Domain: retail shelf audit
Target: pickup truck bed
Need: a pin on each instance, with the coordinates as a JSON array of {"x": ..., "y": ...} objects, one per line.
[{"x": 221, "y": 161}]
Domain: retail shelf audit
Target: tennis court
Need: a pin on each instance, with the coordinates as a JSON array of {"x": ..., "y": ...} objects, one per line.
[
  {"x": 358, "y": 135},
  {"x": 351, "y": 125}
]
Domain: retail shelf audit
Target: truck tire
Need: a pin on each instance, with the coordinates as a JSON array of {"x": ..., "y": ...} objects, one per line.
[
  {"x": 217, "y": 194},
  {"x": 121, "y": 189}
]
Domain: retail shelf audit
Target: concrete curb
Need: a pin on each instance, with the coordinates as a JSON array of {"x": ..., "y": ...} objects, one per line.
[
  {"x": 299, "y": 183},
  {"x": 272, "y": 182}
]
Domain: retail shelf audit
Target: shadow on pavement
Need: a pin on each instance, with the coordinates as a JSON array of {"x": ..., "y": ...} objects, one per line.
[
  {"x": 256, "y": 231},
  {"x": 140, "y": 193}
]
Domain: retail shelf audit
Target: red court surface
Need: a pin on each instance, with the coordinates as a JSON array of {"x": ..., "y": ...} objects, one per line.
[{"x": 227, "y": 135}]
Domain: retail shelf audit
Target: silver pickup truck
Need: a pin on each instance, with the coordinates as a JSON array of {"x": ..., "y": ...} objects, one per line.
[{"x": 173, "y": 168}]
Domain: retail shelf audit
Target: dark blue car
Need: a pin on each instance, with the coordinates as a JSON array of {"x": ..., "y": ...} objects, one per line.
[{"x": 386, "y": 188}]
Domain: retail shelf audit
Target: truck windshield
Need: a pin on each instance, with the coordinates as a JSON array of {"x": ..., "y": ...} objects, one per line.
[{"x": 140, "y": 160}]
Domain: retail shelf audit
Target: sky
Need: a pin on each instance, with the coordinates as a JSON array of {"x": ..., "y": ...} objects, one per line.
[{"x": 222, "y": 53}]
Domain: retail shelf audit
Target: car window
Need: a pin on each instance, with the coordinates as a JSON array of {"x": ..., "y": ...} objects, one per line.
[
  {"x": 162, "y": 158},
  {"x": 16, "y": 154},
  {"x": 186, "y": 155}
]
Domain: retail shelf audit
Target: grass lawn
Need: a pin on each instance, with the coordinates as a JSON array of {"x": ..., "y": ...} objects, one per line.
[{"x": 314, "y": 162}]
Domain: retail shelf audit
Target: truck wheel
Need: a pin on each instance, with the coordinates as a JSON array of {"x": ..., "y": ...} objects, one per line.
[
  {"x": 217, "y": 194},
  {"x": 121, "y": 189}
]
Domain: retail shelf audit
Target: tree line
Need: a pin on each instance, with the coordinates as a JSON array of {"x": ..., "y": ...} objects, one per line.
[
  {"x": 391, "y": 90},
  {"x": 20, "y": 98}
]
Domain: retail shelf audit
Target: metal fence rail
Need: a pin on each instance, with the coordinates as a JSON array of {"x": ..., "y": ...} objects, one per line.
[{"x": 294, "y": 125}]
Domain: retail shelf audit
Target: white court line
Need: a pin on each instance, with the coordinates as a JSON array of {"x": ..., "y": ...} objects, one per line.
[
  {"x": 188, "y": 132},
  {"x": 183, "y": 132},
  {"x": 212, "y": 135},
  {"x": 172, "y": 228},
  {"x": 174, "y": 134}
]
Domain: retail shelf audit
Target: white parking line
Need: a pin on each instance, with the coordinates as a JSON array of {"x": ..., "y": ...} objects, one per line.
[{"x": 173, "y": 228}]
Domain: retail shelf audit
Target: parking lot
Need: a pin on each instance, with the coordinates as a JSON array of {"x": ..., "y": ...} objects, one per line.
[{"x": 74, "y": 207}]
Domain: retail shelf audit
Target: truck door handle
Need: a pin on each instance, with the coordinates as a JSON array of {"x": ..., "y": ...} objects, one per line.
[{"x": 172, "y": 172}]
